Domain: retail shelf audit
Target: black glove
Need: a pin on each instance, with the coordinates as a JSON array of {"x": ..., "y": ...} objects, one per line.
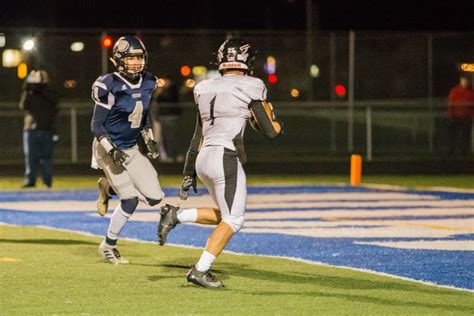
[
  {"x": 152, "y": 147},
  {"x": 118, "y": 156},
  {"x": 188, "y": 182}
]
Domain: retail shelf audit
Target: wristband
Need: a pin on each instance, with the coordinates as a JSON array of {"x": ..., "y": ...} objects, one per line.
[{"x": 106, "y": 144}]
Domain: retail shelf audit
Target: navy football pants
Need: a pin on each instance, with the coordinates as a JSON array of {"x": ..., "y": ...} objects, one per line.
[{"x": 38, "y": 147}]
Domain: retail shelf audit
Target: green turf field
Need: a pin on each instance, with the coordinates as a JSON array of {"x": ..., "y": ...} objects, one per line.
[
  {"x": 52, "y": 272},
  {"x": 87, "y": 182}
]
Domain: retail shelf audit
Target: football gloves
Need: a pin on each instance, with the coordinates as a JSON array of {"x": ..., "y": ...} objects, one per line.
[
  {"x": 152, "y": 147},
  {"x": 118, "y": 156},
  {"x": 188, "y": 182},
  {"x": 151, "y": 144}
]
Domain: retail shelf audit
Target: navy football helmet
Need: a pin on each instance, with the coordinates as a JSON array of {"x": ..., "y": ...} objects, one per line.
[
  {"x": 235, "y": 53},
  {"x": 129, "y": 57}
]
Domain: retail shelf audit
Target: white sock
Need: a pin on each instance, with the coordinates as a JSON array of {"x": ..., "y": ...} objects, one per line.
[
  {"x": 205, "y": 262},
  {"x": 188, "y": 215},
  {"x": 117, "y": 222}
]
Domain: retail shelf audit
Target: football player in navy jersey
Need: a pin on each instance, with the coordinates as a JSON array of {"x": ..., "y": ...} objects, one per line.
[{"x": 121, "y": 114}]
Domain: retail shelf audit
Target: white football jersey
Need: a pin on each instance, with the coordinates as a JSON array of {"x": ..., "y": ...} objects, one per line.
[{"x": 223, "y": 104}]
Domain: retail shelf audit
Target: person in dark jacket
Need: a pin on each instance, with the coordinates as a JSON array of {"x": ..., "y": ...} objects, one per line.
[
  {"x": 167, "y": 113},
  {"x": 460, "y": 113},
  {"x": 40, "y": 106}
]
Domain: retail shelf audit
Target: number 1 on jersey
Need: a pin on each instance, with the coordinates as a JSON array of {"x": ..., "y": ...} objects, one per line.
[
  {"x": 136, "y": 116},
  {"x": 213, "y": 101}
]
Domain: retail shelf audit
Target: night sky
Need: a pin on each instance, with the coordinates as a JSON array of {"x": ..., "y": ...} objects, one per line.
[{"x": 211, "y": 14}]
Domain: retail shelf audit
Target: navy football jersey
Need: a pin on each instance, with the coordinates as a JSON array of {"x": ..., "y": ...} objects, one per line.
[{"x": 129, "y": 105}]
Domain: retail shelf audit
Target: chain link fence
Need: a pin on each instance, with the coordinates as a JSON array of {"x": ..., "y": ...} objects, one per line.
[{"x": 393, "y": 102}]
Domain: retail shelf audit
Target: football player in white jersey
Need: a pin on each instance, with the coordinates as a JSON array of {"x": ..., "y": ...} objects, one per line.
[
  {"x": 216, "y": 153},
  {"x": 121, "y": 113}
]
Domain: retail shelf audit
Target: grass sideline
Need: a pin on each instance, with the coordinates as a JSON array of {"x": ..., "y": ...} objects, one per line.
[
  {"x": 58, "y": 272},
  {"x": 428, "y": 181}
]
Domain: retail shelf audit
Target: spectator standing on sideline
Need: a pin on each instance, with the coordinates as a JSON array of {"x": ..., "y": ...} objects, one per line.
[
  {"x": 460, "y": 113},
  {"x": 40, "y": 106},
  {"x": 167, "y": 113}
]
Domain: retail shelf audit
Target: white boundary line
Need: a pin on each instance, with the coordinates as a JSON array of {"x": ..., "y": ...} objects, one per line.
[
  {"x": 336, "y": 184},
  {"x": 266, "y": 256},
  {"x": 404, "y": 188}
]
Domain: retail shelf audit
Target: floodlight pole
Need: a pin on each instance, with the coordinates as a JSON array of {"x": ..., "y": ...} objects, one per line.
[
  {"x": 309, "y": 46},
  {"x": 104, "y": 54},
  {"x": 430, "y": 91},
  {"x": 73, "y": 114},
  {"x": 350, "y": 103},
  {"x": 332, "y": 83}
]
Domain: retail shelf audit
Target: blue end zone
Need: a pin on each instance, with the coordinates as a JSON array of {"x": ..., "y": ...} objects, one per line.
[{"x": 453, "y": 268}]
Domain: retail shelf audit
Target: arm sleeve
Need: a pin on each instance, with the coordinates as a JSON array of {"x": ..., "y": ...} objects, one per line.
[
  {"x": 147, "y": 123},
  {"x": 263, "y": 114},
  {"x": 193, "y": 150},
  {"x": 98, "y": 120}
]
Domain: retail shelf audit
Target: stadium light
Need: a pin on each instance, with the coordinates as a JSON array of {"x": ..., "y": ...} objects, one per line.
[
  {"x": 314, "y": 71},
  {"x": 185, "y": 70},
  {"x": 213, "y": 74},
  {"x": 190, "y": 83},
  {"x": 160, "y": 82},
  {"x": 295, "y": 93},
  {"x": 340, "y": 90},
  {"x": 467, "y": 67},
  {"x": 107, "y": 41},
  {"x": 22, "y": 71},
  {"x": 11, "y": 58},
  {"x": 77, "y": 46},
  {"x": 29, "y": 44},
  {"x": 271, "y": 60},
  {"x": 70, "y": 84},
  {"x": 270, "y": 65},
  {"x": 3, "y": 40},
  {"x": 272, "y": 78},
  {"x": 199, "y": 70}
]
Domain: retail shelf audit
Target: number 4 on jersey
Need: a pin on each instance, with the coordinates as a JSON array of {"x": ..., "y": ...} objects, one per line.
[{"x": 136, "y": 116}]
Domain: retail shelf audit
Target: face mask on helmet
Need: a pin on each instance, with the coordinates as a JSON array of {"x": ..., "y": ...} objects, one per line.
[
  {"x": 134, "y": 64},
  {"x": 236, "y": 54},
  {"x": 129, "y": 57}
]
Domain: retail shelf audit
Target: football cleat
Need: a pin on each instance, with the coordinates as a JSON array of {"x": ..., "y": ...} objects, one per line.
[
  {"x": 111, "y": 253},
  {"x": 104, "y": 197},
  {"x": 168, "y": 221},
  {"x": 205, "y": 279}
]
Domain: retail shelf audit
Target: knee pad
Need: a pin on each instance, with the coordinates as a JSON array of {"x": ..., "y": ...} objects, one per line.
[
  {"x": 129, "y": 205},
  {"x": 153, "y": 202},
  {"x": 235, "y": 222}
]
